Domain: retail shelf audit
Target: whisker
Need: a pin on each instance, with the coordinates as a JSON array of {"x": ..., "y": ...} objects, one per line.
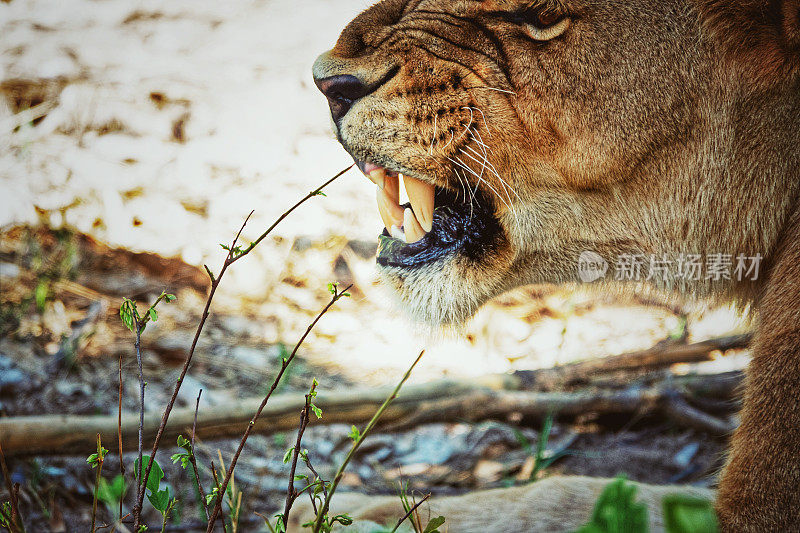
[
  {"x": 433, "y": 136},
  {"x": 482, "y": 115},
  {"x": 493, "y": 169},
  {"x": 466, "y": 167},
  {"x": 466, "y": 130},
  {"x": 491, "y": 89},
  {"x": 488, "y": 164},
  {"x": 452, "y": 136}
]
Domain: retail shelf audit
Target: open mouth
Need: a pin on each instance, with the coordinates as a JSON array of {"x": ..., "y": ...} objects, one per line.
[{"x": 435, "y": 223}]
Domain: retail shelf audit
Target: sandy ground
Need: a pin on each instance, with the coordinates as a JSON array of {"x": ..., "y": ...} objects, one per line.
[{"x": 165, "y": 124}]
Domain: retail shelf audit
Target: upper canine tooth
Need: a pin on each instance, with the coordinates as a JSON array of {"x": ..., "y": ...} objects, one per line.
[
  {"x": 378, "y": 177},
  {"x": 420, "y": 195},
  {"x": 413, "y": 230},
  {"x": 391, "y": 186}
]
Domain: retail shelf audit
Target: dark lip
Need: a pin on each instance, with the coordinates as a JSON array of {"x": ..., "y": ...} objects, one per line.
[
  {"x": 463, "y": 223},
  {"x": 468, "y": 228}
]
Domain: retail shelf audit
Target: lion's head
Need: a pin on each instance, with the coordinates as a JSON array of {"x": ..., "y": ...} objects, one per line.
[{"x": 529, "y": 131}]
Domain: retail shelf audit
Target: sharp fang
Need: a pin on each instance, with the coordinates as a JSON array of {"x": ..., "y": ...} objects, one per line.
[
  {"x": 391, "y": 186},
  {"x": 391, "y": 213},
  {"x": 413, "y": 230},
  {"x": 420, "y": 195},
  {"x": 378, "y": 176}
]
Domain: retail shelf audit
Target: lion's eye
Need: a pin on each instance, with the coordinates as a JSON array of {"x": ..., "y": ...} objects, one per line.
[{"x": 543, "y": 25}]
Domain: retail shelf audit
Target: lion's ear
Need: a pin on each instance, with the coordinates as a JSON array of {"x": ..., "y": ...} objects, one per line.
[{"x": 762, "y": 36}]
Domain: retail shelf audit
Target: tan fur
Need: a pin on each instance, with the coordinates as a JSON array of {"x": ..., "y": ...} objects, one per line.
[
  {"x": 514, "y": 510},
  {"x": 648, "y": 127}
]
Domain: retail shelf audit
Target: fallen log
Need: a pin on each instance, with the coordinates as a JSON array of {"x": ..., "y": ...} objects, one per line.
[
  {"x": 440, "y": 401},
  {"x": 661, "y": 355}
]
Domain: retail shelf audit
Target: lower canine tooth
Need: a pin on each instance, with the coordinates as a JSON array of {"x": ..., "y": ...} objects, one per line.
[
  {"x": 397, "y": 233},
  {"x": 414, "y": 231}
]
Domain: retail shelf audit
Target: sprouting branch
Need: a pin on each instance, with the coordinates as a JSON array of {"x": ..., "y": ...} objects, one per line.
[
  {"x": 336, "y": 296},
  {"x": 234, "y": 254},
  {"x": 359, "y": 438}
]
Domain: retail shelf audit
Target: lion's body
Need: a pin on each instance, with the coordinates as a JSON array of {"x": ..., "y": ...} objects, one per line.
[
  {"x": 647, "y": 127},
  {"x": 514, "y": 510}
]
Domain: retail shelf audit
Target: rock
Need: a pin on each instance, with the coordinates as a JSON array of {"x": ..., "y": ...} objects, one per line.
[
  {"x": 12, "y": 379},
  {"x": 684, "y": 457},
  {"x": 187, "y": 396},
  {"x": 9, "y": 270},
  {"x": 253, "y": 356}
]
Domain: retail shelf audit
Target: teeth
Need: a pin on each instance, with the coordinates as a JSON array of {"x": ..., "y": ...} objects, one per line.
[
  {"x": 391, "y": 213},
  {"x": 409, "y": 225},
  {"x": 413, "y": 230},
  {"x": 378, "y": 176},
  {"x": 420, "y": 195},
  {"x": 391, "y": 186}
]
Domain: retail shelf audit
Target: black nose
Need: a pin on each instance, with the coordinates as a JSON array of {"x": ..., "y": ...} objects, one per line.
[{"x": 341, "y": 91}]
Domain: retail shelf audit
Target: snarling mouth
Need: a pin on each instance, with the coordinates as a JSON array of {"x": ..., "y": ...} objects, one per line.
[{"x": 435, "y": 223}]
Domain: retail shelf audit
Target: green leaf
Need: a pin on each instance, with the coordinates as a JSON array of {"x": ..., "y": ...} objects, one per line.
[
  {"x": 5, "y": 515},
  {"x": 688, "y": 514},
  {"x": 153, "y": 314},
  {"x": 616, "y": 511},
  {"x": 111, "y": 493},
  {"x": 183, "y": 458},
  {"x": 317, "y": 411},
  {"x": 156, "y": 474},
  {"x": 184, "y": 443},
  {"x": 96, "y": 458},
  {"x": 170, "y": 297},
  {"x": 212, "y": 496},
  {"x": 343, "y": 519},
  {"x": 126, "y": 315},
  {"x": 320, "y": 193},
  {"x": 434, "y": 524},
  {"x": 332, "y": 288},
  {"x": 288, "y": 455},
  {"x": 354, "y": 434},
  {"x": 40, "y": 294},
  {"x": 160, "y": 499}
]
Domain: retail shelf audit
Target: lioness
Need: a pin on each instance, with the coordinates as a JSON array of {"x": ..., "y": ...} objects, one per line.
[{"x": 529, "y": 132}]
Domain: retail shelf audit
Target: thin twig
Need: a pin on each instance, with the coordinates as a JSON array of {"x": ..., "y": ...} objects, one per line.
[
  {"x": 337, "y": 294},
  {"x": 315, "y": 192},
  {"x": 138, "y": 475},
  {"x": 219, "y": 493},
  {"x": 119, "y": 431},
  {"x": 232, "y": 257},
  {"x": 291, "y": 493},
  {"x": 100, "y": 459},
  {"x": 318, "y": 479},
  {"x": 193, "y": 460},
  {"x": 410, "y": 511},
  {"x": 357, "y": 444}
]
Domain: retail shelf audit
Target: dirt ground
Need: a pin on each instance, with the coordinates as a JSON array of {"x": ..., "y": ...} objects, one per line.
[{"x": 134, "y": 138}]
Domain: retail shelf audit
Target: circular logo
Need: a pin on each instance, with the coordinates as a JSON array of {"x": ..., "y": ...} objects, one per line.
[{"x": 591, "y": 266}]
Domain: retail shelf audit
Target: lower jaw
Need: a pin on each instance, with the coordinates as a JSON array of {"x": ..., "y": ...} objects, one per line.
[{"x": 469, "y": 232}]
